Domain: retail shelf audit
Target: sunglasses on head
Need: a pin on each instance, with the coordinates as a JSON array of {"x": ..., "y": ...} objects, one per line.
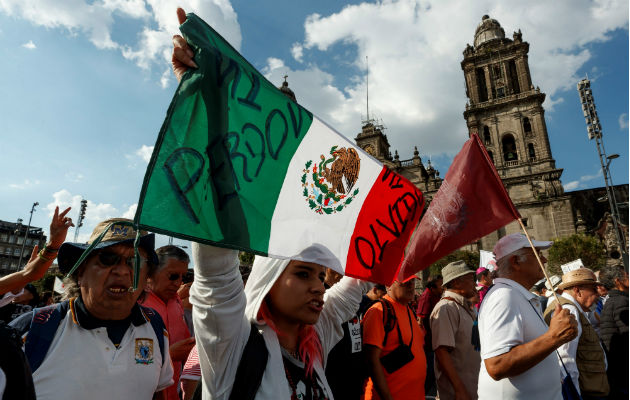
[{"x": 109, "y": 259}]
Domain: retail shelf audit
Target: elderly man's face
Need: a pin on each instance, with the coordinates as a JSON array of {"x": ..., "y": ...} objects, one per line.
[
  {"x": 105, "y": 288},
  {"x": 529, "y": 265},
  {"x": 166, "y": 281},
  {"x": 402, "y": 292}
]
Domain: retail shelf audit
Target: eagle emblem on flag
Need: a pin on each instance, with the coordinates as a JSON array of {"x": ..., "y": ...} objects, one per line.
[{"x": 329, "y": 185}]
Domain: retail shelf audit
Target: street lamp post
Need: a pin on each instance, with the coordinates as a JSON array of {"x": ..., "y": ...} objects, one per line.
[
  {"x": 594, "y": 129},
  {"x": 26, "y": 234}
]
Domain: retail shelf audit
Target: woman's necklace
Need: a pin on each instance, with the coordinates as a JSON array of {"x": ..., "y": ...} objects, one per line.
[{"x": 292, "y": 353}]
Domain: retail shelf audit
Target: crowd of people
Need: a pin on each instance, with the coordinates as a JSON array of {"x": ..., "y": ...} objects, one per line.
[{"x": 137, "y": 323}]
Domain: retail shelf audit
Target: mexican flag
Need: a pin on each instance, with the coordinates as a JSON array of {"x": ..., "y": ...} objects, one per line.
[{"x": 238, "y": 164}]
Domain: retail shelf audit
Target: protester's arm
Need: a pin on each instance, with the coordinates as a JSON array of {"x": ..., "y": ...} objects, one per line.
[
  {"x": 38, "y": 264},
  {"x": 562, "y": 329},
  {"x": 375, "y": 369},
  {"x": 448, "y": 368},
  {"x": 341, "y": 303},
  {"x": 221, "y": 328},
  {"x": 188, "y": 388},
  {"x": 161, "y": 395}
]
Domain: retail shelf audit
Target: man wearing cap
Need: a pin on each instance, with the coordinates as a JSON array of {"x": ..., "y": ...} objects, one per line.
[
  {"x": 517, "y": 346},
  {"x": 100, "y": 344},
  {"x": 583, "y": 357},
  {"x": 452, "y": 321},
  {"x": 161, "y": 295}
]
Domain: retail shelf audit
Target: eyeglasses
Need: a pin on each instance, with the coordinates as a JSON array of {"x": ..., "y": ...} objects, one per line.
[
  {"x": 109, "y": 259},
  {"x": 174, "y": 277}
]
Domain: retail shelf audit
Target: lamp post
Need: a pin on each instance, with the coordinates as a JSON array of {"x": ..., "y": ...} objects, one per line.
[
  {"x": 594, "y": 130},
  {"x": 80, "y": 219},
  {"x": 26, "y": 233}
]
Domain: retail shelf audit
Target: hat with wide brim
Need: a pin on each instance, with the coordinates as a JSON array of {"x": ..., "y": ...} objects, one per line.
[
  {"x": 577, "y": 277},
  {"x": 122, "y": 233},
  {"x": 454, "y": 270}
]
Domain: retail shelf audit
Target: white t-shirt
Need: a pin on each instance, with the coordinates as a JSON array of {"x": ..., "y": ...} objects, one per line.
[
  {"x": 84, "y": 364},
  {"x": 510, "y": 316}
]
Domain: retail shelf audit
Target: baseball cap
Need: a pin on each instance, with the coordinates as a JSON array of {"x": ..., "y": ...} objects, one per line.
[{"x": 516, "y": 241}]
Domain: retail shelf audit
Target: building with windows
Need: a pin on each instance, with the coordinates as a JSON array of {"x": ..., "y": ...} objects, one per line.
[{"x": 14, "y": 242}]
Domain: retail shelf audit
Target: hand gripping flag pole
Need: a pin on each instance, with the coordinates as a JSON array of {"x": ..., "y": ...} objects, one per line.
[{"x": 538, "y": 258}]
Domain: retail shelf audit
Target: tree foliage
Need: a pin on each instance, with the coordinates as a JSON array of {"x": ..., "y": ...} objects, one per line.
[
  {"x": 587, "y": 248},
  {"x": 47, "y": 282},
  {"x": 471, "y": 258}
]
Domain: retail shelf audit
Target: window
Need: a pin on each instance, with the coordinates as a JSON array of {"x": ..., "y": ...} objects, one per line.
[
  {"x": 532, "y": 152},
  {"x": 20, "y": 240},
  {"x": 513, "y": 77},
  {"x": 525, "y": 222},
  {"x": 481, "y": 85},
  {"x": 527, "y": 127},
  {"x": 509, "y": 148},
  {"x": 16, "y": 251},
  {"x": 7, "y": 251},
  {"x": 486, "y": 135},
  {"x": 3, "y": 237},
  {"x": 491, "y": 156}
]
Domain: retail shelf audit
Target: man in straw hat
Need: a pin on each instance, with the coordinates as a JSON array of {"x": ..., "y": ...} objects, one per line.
[
  {"x": 583, "y": 357},
  {"x": 517, "y": 347},
  {"x": 452, "y": 322},
  {"x": 100, "y": 344}
]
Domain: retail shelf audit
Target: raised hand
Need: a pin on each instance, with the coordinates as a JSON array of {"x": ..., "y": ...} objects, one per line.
[
  {"x": 182, "y": 57},
  {"x": 59, "y": 227}
]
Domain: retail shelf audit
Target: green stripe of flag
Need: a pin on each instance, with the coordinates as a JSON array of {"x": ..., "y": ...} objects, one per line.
[{"x": 223, "y": 150}]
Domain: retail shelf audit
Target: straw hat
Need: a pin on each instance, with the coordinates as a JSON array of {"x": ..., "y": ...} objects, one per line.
[{"x": 580, "y": 276}]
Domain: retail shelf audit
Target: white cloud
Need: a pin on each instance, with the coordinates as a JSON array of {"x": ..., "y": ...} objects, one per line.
[
  {"x": 26, "y": 184},
  {"x": 94, "y": 19},
  {"x": 297, "y": 51},
  {"x": 29, "y": 45},
  {"x": 571, "y": 185},
  {"x": 415, "y": 49},
  {"x": 74, "y": 176},
  {"x": 623, "y": 122},
  {"x": 131, "y": 211},
  {"x": 580, "y": 183},
  {"x": 95, "y": 212},
  {"x": 145, "y": 152}
]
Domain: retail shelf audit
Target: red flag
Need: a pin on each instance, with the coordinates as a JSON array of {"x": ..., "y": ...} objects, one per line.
[{"x": 471, "y": 203}]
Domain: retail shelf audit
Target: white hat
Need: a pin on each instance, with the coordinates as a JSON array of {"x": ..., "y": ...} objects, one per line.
[{"x": 516, "y": 241}]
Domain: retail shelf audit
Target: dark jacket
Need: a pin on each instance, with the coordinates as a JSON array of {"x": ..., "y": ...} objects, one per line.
[{"x": 613, "y": 330}]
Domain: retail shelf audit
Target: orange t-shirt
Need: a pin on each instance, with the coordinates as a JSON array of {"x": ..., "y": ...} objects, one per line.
[{"x": 408, "y": 381}]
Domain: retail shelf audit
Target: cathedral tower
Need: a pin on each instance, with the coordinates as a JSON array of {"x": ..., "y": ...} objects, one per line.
[{"x": 505, "y": 109}]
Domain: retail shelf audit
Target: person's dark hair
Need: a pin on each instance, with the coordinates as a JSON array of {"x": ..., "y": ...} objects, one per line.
[
  {"x": 608, "y": 275},
  {"x": 483, "y": 273},
  {"x": 35, "y": 300},
  {"x": 164, "y": 253},
  {"x": 380, "y": 287},
  {"x": 432, "y": 282}
]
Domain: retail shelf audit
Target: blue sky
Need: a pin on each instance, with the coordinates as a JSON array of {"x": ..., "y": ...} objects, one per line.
[{"x": 86, "y": 84}]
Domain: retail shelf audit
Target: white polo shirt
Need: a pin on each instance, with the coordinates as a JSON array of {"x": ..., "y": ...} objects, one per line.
[
  {"x": 84, "y": 364},
  {"x": 509, "y": 316}
]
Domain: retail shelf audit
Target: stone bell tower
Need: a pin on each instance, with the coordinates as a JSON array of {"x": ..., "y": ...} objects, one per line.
[{"x": 505, "y": 110}]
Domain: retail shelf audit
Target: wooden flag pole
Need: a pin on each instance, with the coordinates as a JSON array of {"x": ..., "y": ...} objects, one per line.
[{"x": 539, "y": 262}]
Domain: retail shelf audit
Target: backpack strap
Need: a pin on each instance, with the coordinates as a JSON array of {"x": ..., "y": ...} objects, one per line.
[
  {"x": 251, "y": 368},
  {"x": 44, "y": 324},
  {"x": 389, "y": 318},
  {"x": 158, "y": 327}
]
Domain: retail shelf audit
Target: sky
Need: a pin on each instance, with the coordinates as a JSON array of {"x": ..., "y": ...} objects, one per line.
[{"x": 86, "y": 83}]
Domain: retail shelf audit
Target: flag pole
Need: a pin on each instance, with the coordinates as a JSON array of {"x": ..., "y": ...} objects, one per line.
[{"x": 539, "y": 261}]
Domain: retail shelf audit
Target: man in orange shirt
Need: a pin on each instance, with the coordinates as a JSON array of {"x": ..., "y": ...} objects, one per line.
[{"x": 396, "y": 360}]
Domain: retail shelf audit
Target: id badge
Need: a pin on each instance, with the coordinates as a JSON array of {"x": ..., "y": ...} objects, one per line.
[{"x": 354, "y": 327}]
